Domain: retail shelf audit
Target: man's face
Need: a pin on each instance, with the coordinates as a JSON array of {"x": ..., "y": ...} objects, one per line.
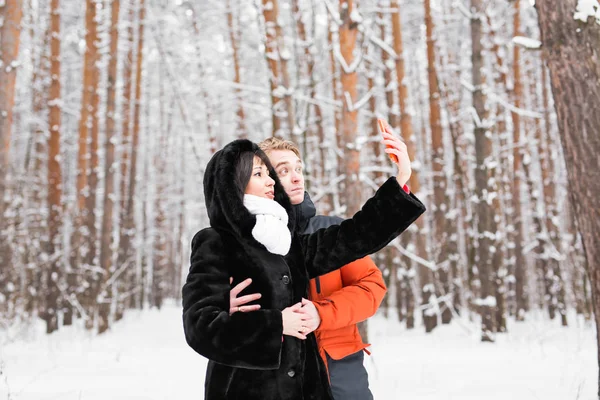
[{"x": 289, "y": 170}]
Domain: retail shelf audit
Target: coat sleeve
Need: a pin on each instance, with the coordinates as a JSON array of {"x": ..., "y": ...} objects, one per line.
[
  {"x": 359, "y": 298},
  {"x": 246, "y": 340},
  {"x": 382, "y": 218}
]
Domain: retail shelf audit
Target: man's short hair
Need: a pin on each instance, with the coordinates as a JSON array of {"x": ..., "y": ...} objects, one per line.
[{"x": 274, "y": 143}]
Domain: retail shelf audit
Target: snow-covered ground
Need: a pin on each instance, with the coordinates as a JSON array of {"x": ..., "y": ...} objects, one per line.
[{"x": 146, "y": 357}]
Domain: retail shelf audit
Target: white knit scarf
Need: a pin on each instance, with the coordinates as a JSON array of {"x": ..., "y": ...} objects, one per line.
[{"x": 271, "y": 224}]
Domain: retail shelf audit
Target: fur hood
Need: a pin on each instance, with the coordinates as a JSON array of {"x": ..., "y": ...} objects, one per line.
[{"x": 224, "y": 200}]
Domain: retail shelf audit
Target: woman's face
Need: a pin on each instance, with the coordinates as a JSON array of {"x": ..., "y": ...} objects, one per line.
[{"x": 260, "y": 183}]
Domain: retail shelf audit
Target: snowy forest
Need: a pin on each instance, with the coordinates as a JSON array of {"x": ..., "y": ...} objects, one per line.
[{"x": 111, "y": 109}]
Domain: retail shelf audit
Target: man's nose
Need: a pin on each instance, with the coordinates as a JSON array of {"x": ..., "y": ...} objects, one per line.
[{"x": 296, "y": 177}]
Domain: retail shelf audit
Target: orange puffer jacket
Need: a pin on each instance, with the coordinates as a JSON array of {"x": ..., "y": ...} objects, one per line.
[{"x": 344, "y": 298}]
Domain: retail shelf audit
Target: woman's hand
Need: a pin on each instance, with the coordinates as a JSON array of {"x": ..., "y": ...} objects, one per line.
[
  {"x": 294, "y": 322},
  {"x": 312, "y": 318},
  {"x": 236, "y": 304},
  {"x": 398, "y": 148}
]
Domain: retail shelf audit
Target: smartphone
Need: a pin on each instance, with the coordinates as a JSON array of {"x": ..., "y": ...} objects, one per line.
[{"x": 382, "y": 125}]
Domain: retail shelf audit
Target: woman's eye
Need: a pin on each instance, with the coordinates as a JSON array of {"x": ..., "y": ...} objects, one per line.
[{"x": 257, "y": 174}]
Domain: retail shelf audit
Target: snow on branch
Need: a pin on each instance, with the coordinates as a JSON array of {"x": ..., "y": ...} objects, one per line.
[
  {"x": 497, "y": 99},
  {"x": 414, "y": 257},
  {"x": 361, "y": 102},
  {"x": 373, "y": 38},
  {"x": 528, "y": 43},
  {"x": 463, "y": 9},
  {"x": 586, "y": 9},
  {"x": 333, "y": 12},
  {"x": 348, "y": 69}
]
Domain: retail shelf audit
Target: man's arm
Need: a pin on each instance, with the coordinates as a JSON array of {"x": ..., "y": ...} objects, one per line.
[{"x": 362, "y": 293}]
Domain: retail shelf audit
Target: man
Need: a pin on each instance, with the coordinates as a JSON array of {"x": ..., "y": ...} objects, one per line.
[{"x": 338, "y": 300}]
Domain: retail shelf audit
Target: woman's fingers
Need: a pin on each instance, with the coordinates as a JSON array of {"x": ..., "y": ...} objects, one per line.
[
  {"x": 240, "y": 286},
  {"x": 391, "y": 135},
  {"x": 240, "y": 301},
  {"x": 394, "y": 143}
]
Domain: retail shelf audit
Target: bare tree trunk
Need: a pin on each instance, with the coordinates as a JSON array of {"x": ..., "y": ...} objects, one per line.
[
  {"x": 212, "y": 136},
  {"x": 234, "y": 38},
  {"x": 388, "y": 87},
  {"x": 37, "y": 226},
  {"x": 106, "y": 243},
  {"x": 89, "y": 76},
  {"x": 550, "y": 204},
  {"x": 89, "y": 250},
  {"x": 516, "y": 236},
  {"x": 129, "y": 221},
  {"x": 577, "y": 102},
  {"x": 406, "y": 128},
  {"x": 437, "y": 154},
  {"x": 124, "y": 251},
  {"x": 11, "y": 13},
  {"x": 54, "y": 173},
  {"x": 486, "y": 184},
  {"x": 406, "y": 131},
  {"x": 271, "y": 13},
  {"x": 348, "y": 33}
]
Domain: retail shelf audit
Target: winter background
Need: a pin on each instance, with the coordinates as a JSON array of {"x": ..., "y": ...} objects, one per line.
[
  {"x": 146, "y": 357},
  {"x": 110, "y": 109}
]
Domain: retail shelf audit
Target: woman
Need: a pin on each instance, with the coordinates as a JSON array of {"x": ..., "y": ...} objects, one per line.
[{"x": 264, "y": 354}]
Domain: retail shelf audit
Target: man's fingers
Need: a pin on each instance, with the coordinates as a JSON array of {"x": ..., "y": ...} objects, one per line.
[
  {"x": 240, "y": 301},
  {"x": 299, "y": 335},
  {"x": 241, "y": 286}
]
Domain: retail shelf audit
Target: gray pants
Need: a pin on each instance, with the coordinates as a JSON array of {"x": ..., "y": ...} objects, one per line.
[{"x": 349, "y": 378}]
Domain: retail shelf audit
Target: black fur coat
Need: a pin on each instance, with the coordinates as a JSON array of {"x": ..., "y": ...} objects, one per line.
[{"x": 248, "y": 356}]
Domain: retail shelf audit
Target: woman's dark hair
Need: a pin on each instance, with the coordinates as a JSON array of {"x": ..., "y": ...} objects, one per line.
[{"x": 243, "y": 168}]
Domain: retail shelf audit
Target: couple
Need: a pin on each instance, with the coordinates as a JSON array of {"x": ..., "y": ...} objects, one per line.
[{"x": 266, "y": 350}]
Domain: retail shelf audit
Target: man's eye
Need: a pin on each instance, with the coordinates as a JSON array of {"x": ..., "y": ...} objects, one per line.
[{"x": 283, "y": 171}]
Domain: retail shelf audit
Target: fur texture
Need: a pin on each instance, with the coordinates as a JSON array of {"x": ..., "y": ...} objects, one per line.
[{"x": 248, "y": 356}]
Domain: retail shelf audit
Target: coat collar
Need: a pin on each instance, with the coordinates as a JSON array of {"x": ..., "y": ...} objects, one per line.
[{"x": 304, "y": 212}]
